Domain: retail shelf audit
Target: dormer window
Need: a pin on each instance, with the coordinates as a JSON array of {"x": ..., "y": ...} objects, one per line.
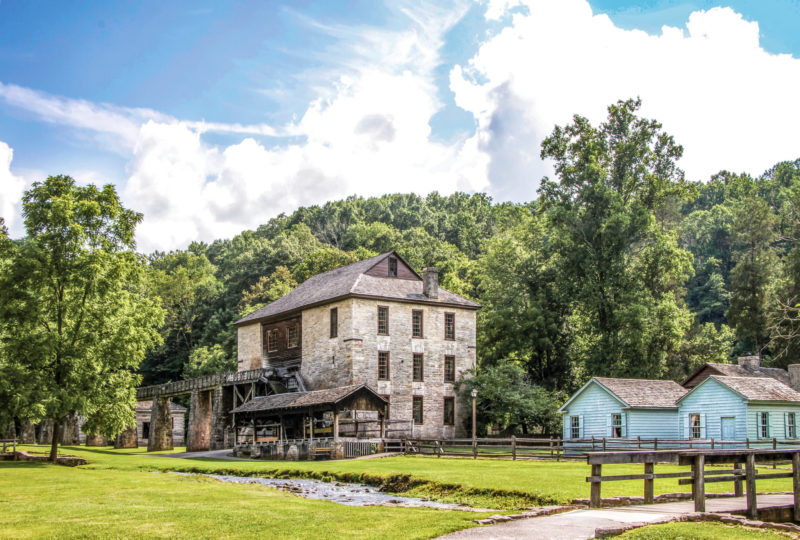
[{"x": 392, "y": 267}]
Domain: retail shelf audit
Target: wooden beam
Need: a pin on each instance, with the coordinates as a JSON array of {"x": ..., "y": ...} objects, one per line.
[
  {"x": 595, "y": 500},
  {"x": 796, "y": 485},
  {"x": 648, "y": 483},
  {"x": 335, "y": 424},
  {"x": 750, "y": 481},
  {"x": 737, "y": 482}
]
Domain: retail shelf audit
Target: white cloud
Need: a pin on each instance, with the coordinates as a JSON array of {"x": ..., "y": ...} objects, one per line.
[
  {"x": 11, "y": 189},
  {"x": 368, "y": 132},
  {"x": 731, "y": 104}
]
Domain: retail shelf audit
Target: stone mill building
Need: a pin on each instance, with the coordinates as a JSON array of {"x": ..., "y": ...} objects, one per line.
[{"x": 377, "y": 323}]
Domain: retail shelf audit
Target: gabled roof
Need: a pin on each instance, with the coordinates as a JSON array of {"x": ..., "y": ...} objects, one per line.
[
  {"x": 637, "y": 393},
  {"x": 352, "y": 281},
  {"x": 301, "y": 400},
  {"x": 736, "y": 370},
  {"x": 756, "y": 388}
]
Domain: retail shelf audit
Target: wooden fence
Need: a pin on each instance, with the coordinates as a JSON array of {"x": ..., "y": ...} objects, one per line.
[
  {"x": 9, "y": 442},
  {"x": 558, "y": 449}
]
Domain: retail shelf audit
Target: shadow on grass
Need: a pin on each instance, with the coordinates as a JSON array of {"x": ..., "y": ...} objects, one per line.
[{"x": 23, "y": 464}]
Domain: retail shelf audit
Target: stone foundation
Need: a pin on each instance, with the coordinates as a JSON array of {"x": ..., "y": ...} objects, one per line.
[
  {"x": 127, "y": 439},
  {"x": 160, "y": 426}
]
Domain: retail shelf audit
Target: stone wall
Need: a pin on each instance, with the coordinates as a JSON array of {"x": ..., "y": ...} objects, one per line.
[
  {"x": 327, "y": 362},
  {"x": 401, "y": 346},
  {"x": 143, "y": 413},
  {"x": 249, "y": 347}
]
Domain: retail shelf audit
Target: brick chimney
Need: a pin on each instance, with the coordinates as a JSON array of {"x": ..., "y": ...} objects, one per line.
[
  {"x": 751, "y": 362},
  {"x": 430, "y": 283},
  {"x": 794, "y": 376}
]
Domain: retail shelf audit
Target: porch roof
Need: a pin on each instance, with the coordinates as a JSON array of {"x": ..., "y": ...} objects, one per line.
[{"x": 305, "y": 400}]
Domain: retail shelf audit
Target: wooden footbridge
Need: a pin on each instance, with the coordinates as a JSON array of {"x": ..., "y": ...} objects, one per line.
[
  {"x": 212, "y": 399},
  {"x": 699, "y": 476}
]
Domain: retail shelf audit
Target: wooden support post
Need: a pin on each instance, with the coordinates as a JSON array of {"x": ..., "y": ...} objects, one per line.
[
  {"x": 595, "y": 500},
  {"x": 737, "y": 484},
  {"x": 747, "y": 442},
  {"x": 311, "y": 419},
  {"x": 712, "y": 443},
  {"x": 336, "y": 424},
  {"x": 750, "y": 481},
  {"x": 699, "y": 484},
  {"x": 514, "y": 447},
  {"x": 694, "y": 475},
  {"x": 639, "y": 442},
  {"x": 796, "y": 484},
  {"x": 604, "y": 444},
  {"x": 648, "y": 483},
  {"x": 655, "y": 443},
  {"x": 474, "y": 449},
  {"x": 592, "y": 443}
]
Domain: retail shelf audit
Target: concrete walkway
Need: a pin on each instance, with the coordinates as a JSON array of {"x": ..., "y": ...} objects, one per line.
[{"x": 581, "y": 524}]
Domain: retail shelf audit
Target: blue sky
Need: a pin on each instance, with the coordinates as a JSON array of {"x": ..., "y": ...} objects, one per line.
[{"x": 212, "y": 117}]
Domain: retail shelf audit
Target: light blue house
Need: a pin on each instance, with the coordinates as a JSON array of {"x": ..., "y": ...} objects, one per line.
[
  {"x": 735, "y": 408},
  {"x": 623, "y": 408}
]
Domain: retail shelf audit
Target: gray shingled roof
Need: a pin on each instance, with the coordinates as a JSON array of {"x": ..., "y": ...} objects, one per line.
[
  {"x": 759, "y": 388},
  {"x": 735, "y": 370},
  {"x": 644, "y": 392},
  {"x": 299, "y": 400},
  {"x": 351, "y": 280}
]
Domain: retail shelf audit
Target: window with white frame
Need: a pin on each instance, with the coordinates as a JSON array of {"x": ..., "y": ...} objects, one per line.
[
  {"x": 791, "y": 425},
  {"x": 696, "y": 428},
  {"x": 763, "y": 425},
  {"x": 575, "y": 427},
  {"x": 616, "y": 425}
]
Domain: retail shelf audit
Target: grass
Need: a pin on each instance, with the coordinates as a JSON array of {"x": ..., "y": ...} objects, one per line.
[
  {"x": 705, "y": 531},
  {"x": 117, "y": 494},
  {"x": 482, "y": 483}
]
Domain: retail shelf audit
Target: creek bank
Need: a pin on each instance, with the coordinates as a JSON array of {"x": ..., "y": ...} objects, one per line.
[
  {"x": 341, "y": 493},
  {"x": 402, "y": 483}
]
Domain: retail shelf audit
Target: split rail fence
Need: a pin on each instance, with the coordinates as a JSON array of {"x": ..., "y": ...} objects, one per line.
[{"x": 519, "y": 448}]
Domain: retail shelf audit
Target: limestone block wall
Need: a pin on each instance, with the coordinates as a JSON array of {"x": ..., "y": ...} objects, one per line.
[
  {"x": 328, "y": 362},
  {"x": 361, "y": 352},
  {"x": 249, "y": 347}
]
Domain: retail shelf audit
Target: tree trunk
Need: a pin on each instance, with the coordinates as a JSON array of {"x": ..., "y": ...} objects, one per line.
[{"x": 54, "y": 443}]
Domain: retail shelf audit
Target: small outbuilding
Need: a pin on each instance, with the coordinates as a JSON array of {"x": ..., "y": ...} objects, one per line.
[
  {"x": 736, "y": 408},
  {"x": 304, "y": 425},
  {"x": 623, "y": 408}
]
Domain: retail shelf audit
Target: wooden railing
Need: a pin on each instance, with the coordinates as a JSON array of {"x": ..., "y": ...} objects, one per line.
[
  {"x": 699, "y": 476},
  {"x": 555, "y": 448},
  {"x": 9, "y": 442}
]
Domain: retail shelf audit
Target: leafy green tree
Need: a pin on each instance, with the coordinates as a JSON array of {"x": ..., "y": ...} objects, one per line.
[
  {"x": 623, "y": 271},
  {"x": 208, "y": 361},
  {"x": 73, "y": 310},
  {"x": 525, "y": 311},
  {"x": 752, "y": 279},
  {"x": 507, "y": 400},
  {"x": 266, "y": 290}
]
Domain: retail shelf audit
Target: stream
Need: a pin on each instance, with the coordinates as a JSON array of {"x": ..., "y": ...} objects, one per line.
[{"x": 338, "y": 492}]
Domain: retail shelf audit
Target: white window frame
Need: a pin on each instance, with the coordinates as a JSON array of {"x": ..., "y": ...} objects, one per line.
[
  {"x": 575, "y": 423},
  {"x": 790, "y": 424},
  {"x": 762, "y": 424}
]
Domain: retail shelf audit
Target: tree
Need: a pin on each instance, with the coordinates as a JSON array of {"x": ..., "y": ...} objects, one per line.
[
  {"x": 73, "y": 310},
  {"x": 623, "y": 269},
  {"x": 525, "y": 311},
  {"x": 752, "y": 279},
  {"x": 208, "y": 361},
  {"x": 506, "y": 399}
]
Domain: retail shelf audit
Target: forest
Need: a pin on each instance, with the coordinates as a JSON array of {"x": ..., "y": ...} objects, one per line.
[{"x": 620, "y": 267}]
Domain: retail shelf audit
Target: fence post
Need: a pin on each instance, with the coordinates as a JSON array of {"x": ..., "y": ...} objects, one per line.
[
  {"x": 595, "y": 500},
  {"x": 513, "y": 447},
  {"x": 712, "y": 443},
  {"x": 559, "y": 448},
  {"x": 648, "y": 483},
  {"x": 475, "y": 449},
  {"x": 438, "y": 449},
  {"x": 551, "y": 447},
  {"x": 639, "y": 441},
  {"x": 747, "y": 442},
  {"x": 604, "y": 444},
  {"x": 655, "y": 443},
  {"x": 592, "y": 443}
]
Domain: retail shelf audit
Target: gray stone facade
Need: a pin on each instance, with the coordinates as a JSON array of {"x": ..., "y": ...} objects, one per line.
[
  {"x": 143, "y": 419},
  {"x": 352, "y": 358}
]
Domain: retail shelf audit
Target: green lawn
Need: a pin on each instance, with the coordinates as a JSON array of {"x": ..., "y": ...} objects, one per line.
[
  {"x": 695, "y": 531},
  {"x": 118, "y": 494}
]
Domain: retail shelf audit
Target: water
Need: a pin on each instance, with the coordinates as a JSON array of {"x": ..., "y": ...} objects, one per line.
[{"x": 338, "y": 492}]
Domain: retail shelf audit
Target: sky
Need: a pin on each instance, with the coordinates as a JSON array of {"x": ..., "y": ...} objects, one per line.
[{"x": 212, "y": 117}]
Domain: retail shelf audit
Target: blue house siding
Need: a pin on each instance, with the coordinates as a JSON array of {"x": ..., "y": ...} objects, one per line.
[
  {"x": 656, "y": 423},
  {"x": 713, "y": 401},
  {"x": 594, "y": 405},
  {"x": 777, "y": 419}
]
